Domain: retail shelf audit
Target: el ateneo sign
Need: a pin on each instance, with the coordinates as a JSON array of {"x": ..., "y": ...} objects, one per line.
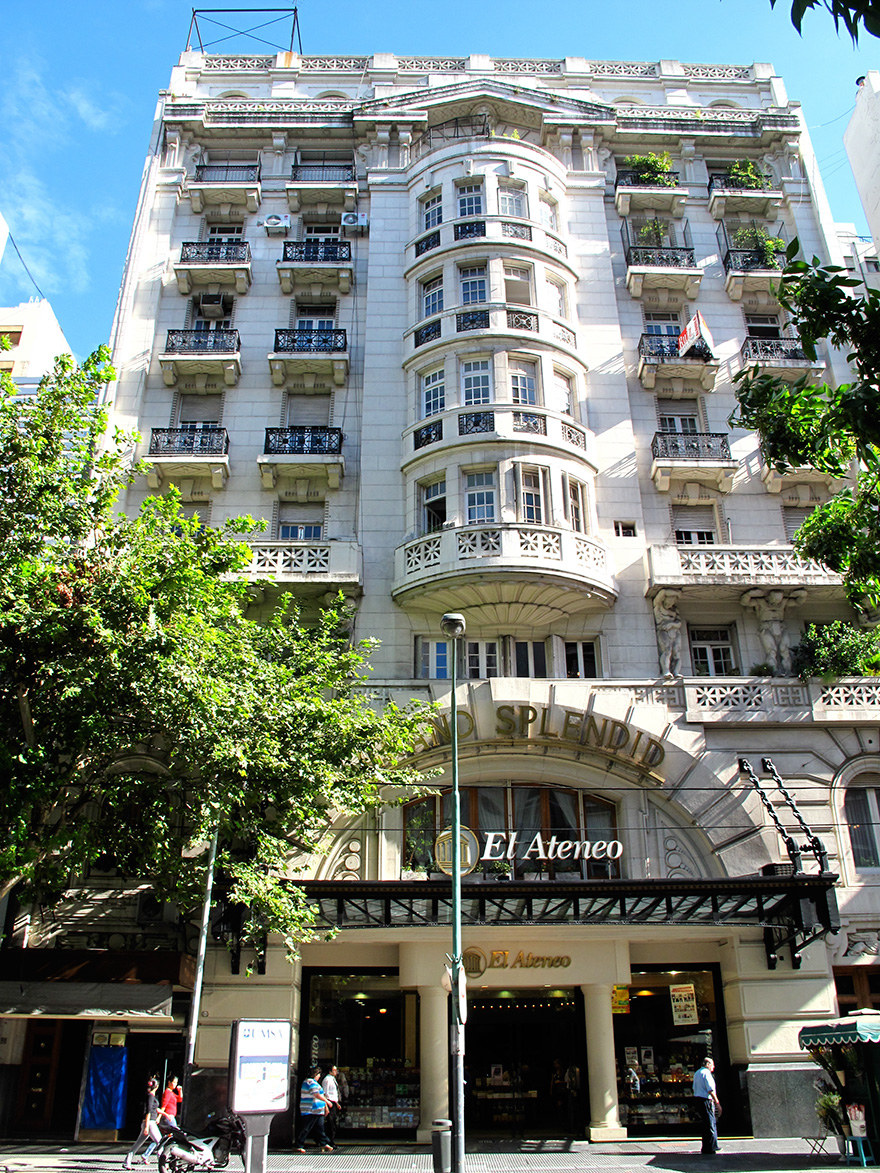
[
  {"x": 572, "y": 727},
  {"x": 510, "y": 845}
]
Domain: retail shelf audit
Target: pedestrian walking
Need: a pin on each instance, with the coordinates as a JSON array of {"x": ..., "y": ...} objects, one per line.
[
  {"x": 171, "y": 1100},
  {"x": 708, "y": 1106},
  {"x": 330, "y": 1088},
  {"x": 149, "y": 1127},
  {"x": 312, "y": 1108}
]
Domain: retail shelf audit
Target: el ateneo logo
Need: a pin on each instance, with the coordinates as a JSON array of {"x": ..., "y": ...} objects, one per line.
[{"x": 507, "y": 845}]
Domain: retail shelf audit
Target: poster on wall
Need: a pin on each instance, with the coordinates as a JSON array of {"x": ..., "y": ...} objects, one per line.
[
  {"x": 260, "y": 1067},
  {"x": 631, "y": 1055},
  {"x": 684, "y": 1005},
  {"x": 620, "y": 1000},
  {"x": 648, "y": 1060}
]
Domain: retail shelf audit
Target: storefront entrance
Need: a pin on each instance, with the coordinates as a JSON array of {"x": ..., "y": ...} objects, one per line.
[{"x": 525, "y": 1063}]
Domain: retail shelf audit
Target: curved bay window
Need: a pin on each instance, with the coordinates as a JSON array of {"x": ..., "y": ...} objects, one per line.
[{"x": 524, "y": 832}]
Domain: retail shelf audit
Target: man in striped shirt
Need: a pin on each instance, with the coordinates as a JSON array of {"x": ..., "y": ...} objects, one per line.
[{"x": 312, "y": 1107}]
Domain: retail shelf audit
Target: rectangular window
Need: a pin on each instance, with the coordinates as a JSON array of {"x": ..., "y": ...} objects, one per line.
[
  {"x": 679, "y": 416},
  {"x": 860, "y": 808},
  {"x": 530, "y": 659},
  {"x": 473, "y": 284},
  {"x": 198, "y": 411},
  {"x": 549, "y": 215},
  {"x": 300, "y": 523},
  {"x": 532, "y": 504},
  {"x": 433, "y": 506},
  {"x": 322, "y": 233},
  {"x": 226, "y": 232},
  {"x": 433, "y": 659},
  {"x": 315, "y": 317},
  {"x": 212, "y": 311},
  {"x": 624, "y": 529},
  {"x": 582, "y": 660},
  {"x": 476, "y": 383},
  {"x": 712, "y": 651},
  {"x": 470, "y": 199},
  {"x": 577, "y": 506},
  {"x": 558, "y": 299},
  {"x": 432, "y": 296},
  {"x": 793, "y": 519},
  {"x": 564, "y": 393},
  {"x": 763, "y": 326},
  {"x": 433, "y": 393},
  {"x": 432, "y": 210},
  {"x": 666, "y": 325},
  {"x": 694, "y": 525},
  {"x": 480, "y": 497},
  {"x": 517, "y": 285},
  {"x": 652, "y": 233},
  {"x": 482, "y": 659},
  {"x": 511, "y": 201},
  {"x": 523, "y": 383}
]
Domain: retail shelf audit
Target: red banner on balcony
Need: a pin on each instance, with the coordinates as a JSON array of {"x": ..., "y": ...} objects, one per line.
[{"x": 695, "y": 331}]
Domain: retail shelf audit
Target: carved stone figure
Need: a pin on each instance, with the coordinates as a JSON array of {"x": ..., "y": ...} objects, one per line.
[
  {"x": 862, "y": 943},
  {"x": 668, "y": 623},
  {"x": 770, "y": 606}
]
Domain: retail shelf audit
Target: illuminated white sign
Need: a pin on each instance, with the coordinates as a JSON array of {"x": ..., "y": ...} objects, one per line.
[{"x": 260, "y": 1065}]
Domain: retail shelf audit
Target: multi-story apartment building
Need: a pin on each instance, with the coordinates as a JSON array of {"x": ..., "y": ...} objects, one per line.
[
  {"x": 35, "y": 340},
  {"x": 440, "y": 324}
]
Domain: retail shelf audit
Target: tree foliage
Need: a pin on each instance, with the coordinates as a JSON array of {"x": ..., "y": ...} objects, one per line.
[
  {"x": 140, "y": 707},
  {"x": 849, "y": 13},
  {"x": 836, "y": 649},
  {"x": 831, "y": 429}
]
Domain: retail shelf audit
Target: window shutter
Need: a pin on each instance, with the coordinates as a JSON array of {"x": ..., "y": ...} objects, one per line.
[
  {"x": 794, "y": 519},
  {"x": 693, "y": 517}
]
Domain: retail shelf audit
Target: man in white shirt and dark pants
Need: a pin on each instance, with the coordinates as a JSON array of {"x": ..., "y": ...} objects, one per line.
[
  {"x": 330, "y": 1087},
  {"x": 708, "y": 1105}
]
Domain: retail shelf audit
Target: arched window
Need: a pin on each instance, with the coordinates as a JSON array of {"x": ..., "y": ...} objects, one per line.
[
  {"x": 861, "y": 805},
  {"x": 524, "y": 832}
]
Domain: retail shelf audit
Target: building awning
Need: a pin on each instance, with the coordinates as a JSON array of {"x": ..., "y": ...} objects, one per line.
[
  {"x": 86, "y": 1000},
  {"x": 859, "y": 1027}
]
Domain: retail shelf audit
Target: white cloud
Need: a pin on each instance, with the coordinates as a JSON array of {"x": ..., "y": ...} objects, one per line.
[{"x": 95, "y": 117}]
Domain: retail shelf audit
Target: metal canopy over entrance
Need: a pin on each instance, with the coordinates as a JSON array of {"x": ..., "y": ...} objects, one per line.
[{"x": 792, "y": 909}]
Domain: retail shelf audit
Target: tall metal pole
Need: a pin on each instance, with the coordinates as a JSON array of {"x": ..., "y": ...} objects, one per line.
[
  {"x": 453, "y": 626},
  {"x": 195, "y": 1009}
]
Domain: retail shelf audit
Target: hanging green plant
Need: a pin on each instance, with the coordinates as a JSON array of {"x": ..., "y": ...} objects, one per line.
[
  {"x": 651, "y": 170},
  {"x": 753, "y": 238},
  {"x": 746, "y": 173}
]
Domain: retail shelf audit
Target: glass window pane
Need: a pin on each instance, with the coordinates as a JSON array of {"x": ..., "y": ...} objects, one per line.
[{"x": 861, "y": 833}]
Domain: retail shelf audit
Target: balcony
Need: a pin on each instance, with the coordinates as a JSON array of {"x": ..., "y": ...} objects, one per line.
[
  {"x": 225, "y": 186},
  {"x": 751, "y": 262},
  {"x": 318, "y": 566},
  {"x": 309, "y": 352},
  {"x": 728, "y": 196},
  {"x": 506, "y": 422},
  {"x": 316, "y": 265},
  {"x": 310, "y": 453},
  {"x": 526, "y": 236},
  {"x": 783, "y": 357},
  {"x": 632, "y": 194},
  {"x": 726, "y": 571},
  {"x": 703, "y": 457},
  {"x": 494, "y": 318},
  {"x": 531, "y": 574},
  {"x": 776, "y": 480},
  {"x": 322, "y": 189},
  {"x": 226, "y": 264},
  {"x": 659, "y": 355},
  {"x": 654, "y": 259},
  {"x": 202, "y": 355},
  {"x": 185, "y": 453}
]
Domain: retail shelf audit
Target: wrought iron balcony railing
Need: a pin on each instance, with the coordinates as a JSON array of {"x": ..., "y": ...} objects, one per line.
[
  {"x": 663, "y": 257},
  {"x": 637, "y": 179},
  {"x": 455, "y": 128},
  {"x": 429, "y": 434},
  {"x": 310, "y": 341},
  {"x": 691, "y": 446},
  {"x": 772, "y": 349},
  {"x": 189, "y": 442},
  {"x": 469, "y": 229},
  {"x": 432, "y": 240},
  {"x": 228, "y": 252},
  {"x": 202, "y": 342},
  {"x": 472, "y": 320},
  {"x": 322, "y": 173},
  {"x": 522, "y": 320},
  {"x": 228, "y": 173},
  {"x": 303, "y": 441},
  {"x": 666, "y": 346},
  {"x": 721, "y": 181},
  {"x": 427, "y": 333},
  {"x": 472, "y": 422},
  {"x": 747, "y": 260},
  {"x": 317, "y": 250}
]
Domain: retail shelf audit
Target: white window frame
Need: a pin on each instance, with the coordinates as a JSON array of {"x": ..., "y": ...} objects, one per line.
[
  {"x": 564, "y": 385},
  {"x": 312, "y": 321},
  {"x": 470, "y": 199},
  {"x": 709, "y": 647},
  {"x": 533, "y": 651},
  {"x": 483, "y": 659},
  {"x": 871, "y": 827},
  {"x": 431, "y": 292},
  {"x": 476, "y": 382},
  {"x": 532, "y": 496},
  {"x": 523, "y": 377},
  {"x": 430, "y": 495},
  {"x": 560, "y": 298},
  {"x": 433, "y": 662},
  {"x": 549, "y": 213},
  {"x": 512, "y": 201},
  {"x": 662, "y": 324},
  {"x": 574, "y": 649},
  {"x": 577, "y": 504},
  {"x": 521, "y": 275},
  {"x": 432, "y": 211},
  {"x": 433, "y": 392},
  {"x": 690, "y": 536},
  {"x": 473, "y": 284},
  {"x": 480, "y": 496}
]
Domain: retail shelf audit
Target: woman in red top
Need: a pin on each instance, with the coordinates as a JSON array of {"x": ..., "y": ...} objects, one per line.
[{"x": 171, "y": 1099}]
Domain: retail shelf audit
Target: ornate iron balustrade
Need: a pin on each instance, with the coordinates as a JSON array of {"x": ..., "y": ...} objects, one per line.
[
  {"x": 691, "y": 446},
  {"x": 721, "y": 181},
  {"x": 574, "y": 436},
  {"x": 769, "y": 349},
  {"x": 637, "y": 179},
  {"x": 558, "y": 246},
  {"x": 432, "y": 240},
  {"x": 516, "y": 231},
  {"x": 566, "y": 336},
  {"x": 322, "y": 173},
  {"x": 521, "y": 320},
  {"x": 427, "y": 333},
  {"x": 666, "y": 257},
  {"x": 472, "y": 422},
  {"x": 472, "y": 320},
  {"x": 202, "y": 341},
  {"x": 316, "y": 250},
  {"x": 310, "y": 341},
  {"x": 455, "y": 128},
  {"x": 528, "y": 421},
  {"x": 228, "y": 173},
  {"x": 666, "y": 346},
  {"x": 189, "y": 442},
  {"x": 429, "y": 434},
  {"x": 748, "y": 260},
  {"x": 231, "y": 252},
  {"x": 303, "y": 441},
  {"x": 469, "y": 230}
]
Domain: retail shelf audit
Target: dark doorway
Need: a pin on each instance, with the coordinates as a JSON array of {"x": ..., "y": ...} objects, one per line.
[
  {"x": 526, "y": 1063},
  {"x": 51, "y": 1070},
  {"x": 150, "y": 1053}
]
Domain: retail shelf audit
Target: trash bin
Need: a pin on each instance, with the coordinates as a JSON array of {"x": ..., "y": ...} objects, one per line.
[{"x": 441, "y": 1145}]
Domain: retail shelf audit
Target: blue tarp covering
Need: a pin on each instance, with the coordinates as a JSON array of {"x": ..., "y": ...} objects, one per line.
[{"x": 104, "y": 1105}]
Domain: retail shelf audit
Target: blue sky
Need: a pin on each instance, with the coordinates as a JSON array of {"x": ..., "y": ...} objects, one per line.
[{"x": 79, "y": 92}]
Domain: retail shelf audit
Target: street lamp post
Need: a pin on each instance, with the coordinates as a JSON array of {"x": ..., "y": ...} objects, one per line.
[{"x": 453, "y": 627}]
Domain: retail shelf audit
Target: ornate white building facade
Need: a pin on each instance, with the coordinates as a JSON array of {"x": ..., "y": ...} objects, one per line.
[{"x": 423, "y": 316}]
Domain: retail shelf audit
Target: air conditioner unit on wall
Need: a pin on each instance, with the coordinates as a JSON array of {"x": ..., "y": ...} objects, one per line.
[
  {"x": 275, "y": 225},
  {"x": 355, "y": 220}
]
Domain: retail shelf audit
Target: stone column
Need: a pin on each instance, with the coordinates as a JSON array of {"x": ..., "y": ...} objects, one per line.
[
  {"x": 433, "y": 1059},
  {"x": 604, "y": 1116}
]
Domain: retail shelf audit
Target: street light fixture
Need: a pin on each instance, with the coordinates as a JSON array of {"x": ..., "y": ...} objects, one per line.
[{"x": 454, "y": 627}]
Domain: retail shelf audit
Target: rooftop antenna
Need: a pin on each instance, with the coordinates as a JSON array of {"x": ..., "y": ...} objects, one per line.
[{"x": 209, "y": 15}]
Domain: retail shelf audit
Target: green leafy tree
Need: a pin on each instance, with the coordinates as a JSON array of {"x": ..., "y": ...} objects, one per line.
[
  {"x": 140, "y": 708},
  {"x": 836, "y": 649},
  {"x": 849, "y": 13},
  {"x": 835, "y": 430}
]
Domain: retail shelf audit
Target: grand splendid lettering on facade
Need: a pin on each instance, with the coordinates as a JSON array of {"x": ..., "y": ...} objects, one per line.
[{"x": 423, "y": 315}]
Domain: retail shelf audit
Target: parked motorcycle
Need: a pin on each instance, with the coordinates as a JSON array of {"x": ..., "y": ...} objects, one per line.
[{"x": 182, "y": 1152}]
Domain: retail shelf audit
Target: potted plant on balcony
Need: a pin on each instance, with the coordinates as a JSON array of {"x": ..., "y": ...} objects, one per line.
[
  {"x": 746, "y": 173},
  {"x": 837, "y": 649},
  {"x": 651, "y": 170},
  {"x": 651, "y": 234},
  {"x": 754, "y": 238}
]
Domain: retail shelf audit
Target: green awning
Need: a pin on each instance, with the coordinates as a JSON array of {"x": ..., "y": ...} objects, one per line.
[{"x": 862, "y": 1027}]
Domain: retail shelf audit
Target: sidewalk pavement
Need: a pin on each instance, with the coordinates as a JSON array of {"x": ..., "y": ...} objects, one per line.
[{"x": 526, "y": 1156}]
